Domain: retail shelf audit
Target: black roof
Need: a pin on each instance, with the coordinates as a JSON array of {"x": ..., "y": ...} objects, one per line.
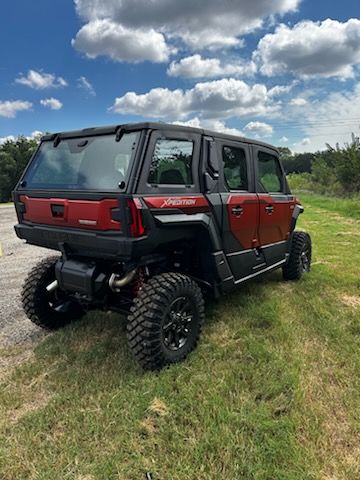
[{"x": 152, "y": 126}]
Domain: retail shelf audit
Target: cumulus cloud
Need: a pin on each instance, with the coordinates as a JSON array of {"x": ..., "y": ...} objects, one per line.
[
  {"x": 10, "y": 138},
  {"x": 52, "y": 103},
  {"x": 105, "y": 37},
  {"x": 41, "y": 80},
  {"x": 259, "y": 129},
  {"x": 198, "y": 24},
  {"x": 84, "y": 84},
  {"x": 311, "y": 49},
  {"x": 284, "y": 139},
  {"x": 197, "y": 67},
  {"x": 218, "y": 98},
  {"x": 9, "y": 108},
  {"x": 215, "y": 125},
  {"x": 279, "y": 90},
  {"x": 298, "y": 102}
]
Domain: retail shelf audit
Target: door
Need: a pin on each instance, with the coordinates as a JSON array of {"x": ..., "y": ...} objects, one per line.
[
  {"x": 240, "y": 209},
  {"x": 276, "y": 205}
]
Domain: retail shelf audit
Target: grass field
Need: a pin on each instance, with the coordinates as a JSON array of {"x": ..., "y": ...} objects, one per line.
[{"x": 272, "y": 392}]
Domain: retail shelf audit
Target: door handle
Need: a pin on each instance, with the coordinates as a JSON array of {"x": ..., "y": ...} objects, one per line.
[
  {"x": 269, "y": 209},
  {"x": 237, "y": 210}
]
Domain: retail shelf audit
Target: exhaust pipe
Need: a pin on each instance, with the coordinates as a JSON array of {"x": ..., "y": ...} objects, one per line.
[
  {"x": 116, "y": 282},
  {"x": 52, "y": 286}
]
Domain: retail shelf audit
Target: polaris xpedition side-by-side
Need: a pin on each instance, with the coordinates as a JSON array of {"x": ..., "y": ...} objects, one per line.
[{"x": 147, "y": 217}]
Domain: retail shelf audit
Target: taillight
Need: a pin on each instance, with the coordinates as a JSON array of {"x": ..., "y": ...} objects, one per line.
[{"x": 137, "y": 228}]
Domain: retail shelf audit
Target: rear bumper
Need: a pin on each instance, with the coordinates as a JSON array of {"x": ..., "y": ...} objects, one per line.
[{"x": 78, "y": 242}]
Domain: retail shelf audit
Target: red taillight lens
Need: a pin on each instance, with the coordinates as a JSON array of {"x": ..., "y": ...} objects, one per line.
[{"x": 137, "y": 228}]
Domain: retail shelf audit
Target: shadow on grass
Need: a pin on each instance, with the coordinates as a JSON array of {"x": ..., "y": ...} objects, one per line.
[{"x": 94, "y": 350}]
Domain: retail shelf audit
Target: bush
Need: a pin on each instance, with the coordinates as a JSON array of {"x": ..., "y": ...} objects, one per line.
[{"x": 300, "y": 181}]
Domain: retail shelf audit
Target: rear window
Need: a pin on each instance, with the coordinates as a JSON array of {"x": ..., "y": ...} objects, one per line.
[{"x": 91, "y": 163}]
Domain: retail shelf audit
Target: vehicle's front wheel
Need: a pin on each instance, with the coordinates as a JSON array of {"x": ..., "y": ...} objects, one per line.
[
  {"x": 50, "y": 310},
  {"x": 165, "y": 321},
  {"x": 299, "y": 261}
]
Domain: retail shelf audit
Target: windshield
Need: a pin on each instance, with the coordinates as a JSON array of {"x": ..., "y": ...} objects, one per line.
[{"x": 88, "y": 163}]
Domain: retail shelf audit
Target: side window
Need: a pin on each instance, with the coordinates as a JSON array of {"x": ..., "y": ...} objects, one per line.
[
  {"x": 235, "y": 169},
  {"x": 270, "y": 175},
  {"x": 171, "y": 163}
]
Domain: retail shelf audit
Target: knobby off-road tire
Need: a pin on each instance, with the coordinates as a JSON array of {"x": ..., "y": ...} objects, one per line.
[
  {"x": 165, "y": 321},
  {"x": 300, "y": 257},
  {"x": 47, "y": 310}
]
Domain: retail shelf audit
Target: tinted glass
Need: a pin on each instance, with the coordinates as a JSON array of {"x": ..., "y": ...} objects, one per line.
[
  {"x": 91, "y": 163},
  {"x": 171, "y": 163},
  {"x": 235, "y": 169},
  {"x": 270, "y": 175}
]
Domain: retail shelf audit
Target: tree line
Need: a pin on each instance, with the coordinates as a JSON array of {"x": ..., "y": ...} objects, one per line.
[
  {"x": 14, "y": 156},
  {"x": 334, "y": 171}
]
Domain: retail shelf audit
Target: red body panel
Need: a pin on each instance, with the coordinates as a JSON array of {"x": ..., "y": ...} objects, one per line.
[
  {"x": 244, "y": 226},
  {"x": 274, "y": 227},
  {"x": 187, "y": 204},
  {"x": 86, "y": 214}
]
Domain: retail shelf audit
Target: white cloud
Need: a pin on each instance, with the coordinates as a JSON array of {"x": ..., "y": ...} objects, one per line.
[
  {"x": 52, "y": 103},
  {"x": 198, "y": 67},
  {"x": 331, "y": 120},
  {"x": 311, "y": 49},
  {"x": 298, "y": 102},
  {"x": 284, "y": 139},
  {"x": 9, "y": 108},
  {"x": 34, "y": 136},
  {"x": 260, "y": 129},
  {"x": 199, "y": 24},
  {"x": 215, "y": 125},
  {"x": 9, "y": 138},
  {"x": 41, "y": 80},
  {"x": 84, "y": 83},
  {"x": 218, "y": 98},
  {"x": 305, "y": 141},
  {"x": 105, "y": 37}
]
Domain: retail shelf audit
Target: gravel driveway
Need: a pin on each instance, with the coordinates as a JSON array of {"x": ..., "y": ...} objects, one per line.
[{"x": 16, "y": 260}]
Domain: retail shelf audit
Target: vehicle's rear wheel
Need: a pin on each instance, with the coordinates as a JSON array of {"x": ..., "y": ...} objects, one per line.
[
  {"x": 165, "y": 321},
  {"x": 50, "y": 310},
  {"x": 299, "y": 261}
]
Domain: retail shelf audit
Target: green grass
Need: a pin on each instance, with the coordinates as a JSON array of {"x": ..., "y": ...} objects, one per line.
[
  {"x": 349, "y": 207},
  {"x": 271, "y": 393}
]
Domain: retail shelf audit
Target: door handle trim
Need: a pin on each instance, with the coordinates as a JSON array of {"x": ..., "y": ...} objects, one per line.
[
  {"x": 269, "y": 209},
  {"x": 237, "y": 210}
]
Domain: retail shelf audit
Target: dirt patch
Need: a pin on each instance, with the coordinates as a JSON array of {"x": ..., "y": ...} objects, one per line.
[
  {"x": 158, "y": 408},
  {"x": 351, "y": 301},
  {"x": 9, "y": 361},
  {"x": 38, "y": 402},
  {"x": 356, "y": 234}
]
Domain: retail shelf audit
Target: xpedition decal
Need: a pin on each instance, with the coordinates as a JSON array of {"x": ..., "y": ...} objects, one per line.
[{"x": 178, "y": 202}]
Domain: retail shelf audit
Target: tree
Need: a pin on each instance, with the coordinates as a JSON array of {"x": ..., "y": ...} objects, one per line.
[
  {"x": 14, "y": 156},
  {"x": 295, "y": 162}
]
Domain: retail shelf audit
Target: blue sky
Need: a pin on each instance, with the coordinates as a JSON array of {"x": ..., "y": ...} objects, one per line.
[{"x": 286, "y": 71}]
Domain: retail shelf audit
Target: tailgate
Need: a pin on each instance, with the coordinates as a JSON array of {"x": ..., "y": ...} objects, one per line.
[{"x": 101, "y": 215}]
